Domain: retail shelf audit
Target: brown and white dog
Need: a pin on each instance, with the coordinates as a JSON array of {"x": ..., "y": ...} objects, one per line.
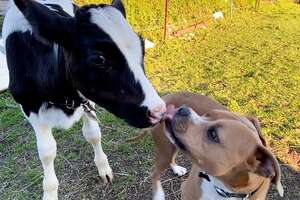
[{"x": 229, "y": 156}]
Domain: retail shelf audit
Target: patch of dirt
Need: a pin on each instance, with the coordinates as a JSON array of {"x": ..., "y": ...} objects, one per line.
[
  {"x": 171, "y": 184},
  {"x": 84, "y": 184},
  {"x": 291, "y": 185}
]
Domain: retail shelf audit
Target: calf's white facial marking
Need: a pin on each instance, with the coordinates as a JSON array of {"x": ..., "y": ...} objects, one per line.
[{"x": 112, "y": 22}]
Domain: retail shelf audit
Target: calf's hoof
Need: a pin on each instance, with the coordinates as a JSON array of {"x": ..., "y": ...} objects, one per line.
[
  {"x": 50, "y": 196},
  {"x": 106, "y": 174}
]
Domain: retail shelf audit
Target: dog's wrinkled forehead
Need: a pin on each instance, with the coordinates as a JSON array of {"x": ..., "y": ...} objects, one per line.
[
  {"x": 221, "y": 114},
  {"x": 197, "y": 119}
]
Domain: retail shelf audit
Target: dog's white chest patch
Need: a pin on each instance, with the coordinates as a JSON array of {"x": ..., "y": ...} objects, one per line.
[{"x": 209, "y": 191}]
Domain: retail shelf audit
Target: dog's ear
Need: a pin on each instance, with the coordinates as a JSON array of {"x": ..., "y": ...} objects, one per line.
[
  {"x": 118, "y": 4},
  {"x": 257, "y": 126},
  {"x": 46, "y": 24},
  {"x": 264, "y": 163}
]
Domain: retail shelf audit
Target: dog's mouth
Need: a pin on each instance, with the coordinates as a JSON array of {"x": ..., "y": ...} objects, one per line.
[
  {"x": 168, "y": 123},
  {"x": 170, "y": 133}
]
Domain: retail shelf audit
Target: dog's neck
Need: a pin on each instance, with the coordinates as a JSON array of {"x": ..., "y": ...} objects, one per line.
[
  {"x": 212, "y": 189},
  {"x": 207, "y": 187}
]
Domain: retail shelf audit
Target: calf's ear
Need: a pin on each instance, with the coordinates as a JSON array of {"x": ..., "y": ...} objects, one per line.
[
  {"x": 46, "y": 24},
  {"x": 118, "y": 4},
  {"x": 262, "y": 162}
]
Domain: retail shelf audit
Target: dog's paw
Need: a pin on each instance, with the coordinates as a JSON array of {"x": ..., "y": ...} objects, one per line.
[
  {"x": 178, "y": 170},
  {"x": 159, "y": 195}
]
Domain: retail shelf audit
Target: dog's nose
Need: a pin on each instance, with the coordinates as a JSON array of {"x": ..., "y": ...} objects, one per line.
[{"x": 184, "y": 111}]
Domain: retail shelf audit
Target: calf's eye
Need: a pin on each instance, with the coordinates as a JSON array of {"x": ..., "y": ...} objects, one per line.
[
  {"x": 98, "y": 60},
  {"x": 212, "y": 135}
]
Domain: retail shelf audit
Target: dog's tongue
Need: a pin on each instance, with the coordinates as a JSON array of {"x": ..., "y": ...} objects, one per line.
[{"x": 170, "y": 112}]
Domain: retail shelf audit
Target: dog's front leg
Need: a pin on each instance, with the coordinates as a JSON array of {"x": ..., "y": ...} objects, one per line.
[
  {"x": 158, "y": 192},
  {"x": 47, "y": 152},
  {"x": 92, "y": 134}
]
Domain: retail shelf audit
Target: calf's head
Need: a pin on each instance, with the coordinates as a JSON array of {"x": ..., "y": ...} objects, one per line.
[{"x": 104, "y": 57}]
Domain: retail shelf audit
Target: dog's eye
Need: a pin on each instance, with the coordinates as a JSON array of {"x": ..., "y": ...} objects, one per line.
[{"x": 212, "y": 135}]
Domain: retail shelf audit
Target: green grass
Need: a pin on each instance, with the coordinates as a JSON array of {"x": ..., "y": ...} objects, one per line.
[{"x": 249, "y": 63}]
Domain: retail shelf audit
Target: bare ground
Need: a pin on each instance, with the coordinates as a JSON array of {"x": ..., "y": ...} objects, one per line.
[{"x": 79, "y": 180}]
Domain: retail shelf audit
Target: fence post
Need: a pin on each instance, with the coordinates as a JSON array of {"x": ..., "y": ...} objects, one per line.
[
  {"x": 257, "y": 5},
  {"x": 166, "y": 19},
  {"x": 231, "y": 7}
]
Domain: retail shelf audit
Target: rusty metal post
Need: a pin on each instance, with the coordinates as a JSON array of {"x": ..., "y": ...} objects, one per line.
[
  {"x": 166, "y": 19},
  {"x": 257, "y": 4},
  {"x": 231, "y": 3}
]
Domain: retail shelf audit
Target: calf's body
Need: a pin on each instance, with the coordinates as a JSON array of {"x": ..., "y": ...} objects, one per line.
[{"x": 61, "y": 59}]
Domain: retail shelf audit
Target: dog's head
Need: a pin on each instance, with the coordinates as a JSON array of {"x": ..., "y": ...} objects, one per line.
[{"x": 224, "y": 145}]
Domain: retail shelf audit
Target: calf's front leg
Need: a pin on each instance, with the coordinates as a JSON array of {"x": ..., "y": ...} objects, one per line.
[
  {"x": 47, "y": 152},
  {"x": 92, "y": 133}
]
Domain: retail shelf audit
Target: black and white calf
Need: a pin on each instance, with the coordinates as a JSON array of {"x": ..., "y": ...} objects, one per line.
[{"x": 60, "y": 56}]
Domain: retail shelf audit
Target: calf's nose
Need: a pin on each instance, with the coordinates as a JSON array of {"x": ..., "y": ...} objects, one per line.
[{"x": 157, "y": 113}]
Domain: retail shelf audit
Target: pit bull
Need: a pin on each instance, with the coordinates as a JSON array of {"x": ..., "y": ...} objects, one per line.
[{"x": 229, "y": 156}]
